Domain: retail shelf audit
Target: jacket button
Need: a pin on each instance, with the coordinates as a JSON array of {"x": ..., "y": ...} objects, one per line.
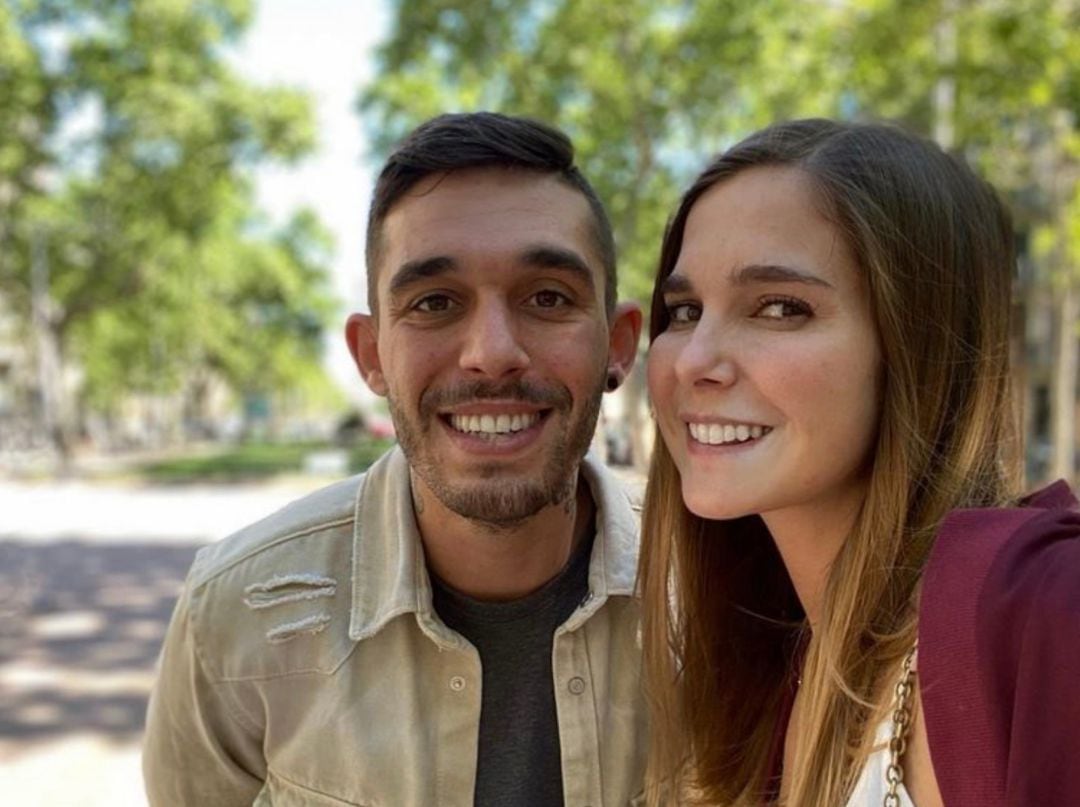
[
  {"x": 457, "y": 683},
  {"x": 576, "y": 685}
]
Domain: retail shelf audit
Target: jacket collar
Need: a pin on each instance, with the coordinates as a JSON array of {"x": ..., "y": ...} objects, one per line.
[
  {"x": 1057, "y": 495},
  {"x": 389, "y": 575}
]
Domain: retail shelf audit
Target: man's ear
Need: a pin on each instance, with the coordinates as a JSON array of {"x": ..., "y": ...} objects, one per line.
[
  {"x": 623, "y": 340},
  {"x": 361, "y": 334}
]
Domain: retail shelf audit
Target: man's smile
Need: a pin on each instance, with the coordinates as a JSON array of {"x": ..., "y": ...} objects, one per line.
[{"x": 493, "y": 424}]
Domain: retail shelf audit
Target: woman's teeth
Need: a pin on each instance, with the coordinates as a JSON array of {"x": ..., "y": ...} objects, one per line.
[{"x": 715, "y": 434}]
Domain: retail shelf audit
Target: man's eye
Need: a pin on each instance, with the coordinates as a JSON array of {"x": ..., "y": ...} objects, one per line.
[
  {"x": 549, "y": 299},
  {"x": 683, "y": 312},
  {"x": 783, "y": 308},
  {"x": 433, "y": 304}
]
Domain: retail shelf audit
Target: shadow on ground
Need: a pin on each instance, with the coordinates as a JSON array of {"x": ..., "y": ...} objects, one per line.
[{"x": 81, "y": 624}]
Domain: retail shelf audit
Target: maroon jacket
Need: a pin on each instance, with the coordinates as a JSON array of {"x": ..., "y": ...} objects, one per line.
[{"x": 999, "y": 654}]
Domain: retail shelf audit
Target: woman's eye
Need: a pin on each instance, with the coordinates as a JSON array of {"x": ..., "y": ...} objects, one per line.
[
  {"x": 549, "y": 299},
  {"x": 433, "y": 304},
  {"x": 781, "y": 308},
  {"x": 684, "y": 312}
]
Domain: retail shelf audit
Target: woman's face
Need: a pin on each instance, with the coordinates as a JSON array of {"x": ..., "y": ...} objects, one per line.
[{"x": 765, "y": 382}]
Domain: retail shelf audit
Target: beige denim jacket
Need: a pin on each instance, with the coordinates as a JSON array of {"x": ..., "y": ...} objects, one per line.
[{"x": 304, "y": 664}]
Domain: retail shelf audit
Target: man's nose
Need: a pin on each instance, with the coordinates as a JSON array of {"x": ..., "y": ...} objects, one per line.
[{"x": 493, "y": 345}]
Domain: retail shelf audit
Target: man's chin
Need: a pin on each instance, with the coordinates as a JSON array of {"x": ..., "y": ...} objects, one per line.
[
  {"x": 509, "y": 504},
  {"x": 502, "y": 503}
]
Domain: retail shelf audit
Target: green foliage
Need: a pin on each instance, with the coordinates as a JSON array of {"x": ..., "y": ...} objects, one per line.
[
  {"x": 618, "y": 77},
  {"x": 1015, "y": 103},
  {"x": 160, "y": 268},
  {"x": 24, "y": 111},
  {"x": 254, "y": 461},
  {"x": 649, "y": 90},
  {"x": 646, "y": 89}
]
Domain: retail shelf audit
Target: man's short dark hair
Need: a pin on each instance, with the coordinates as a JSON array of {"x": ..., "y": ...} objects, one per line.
[{"x": 482, "y": 140}]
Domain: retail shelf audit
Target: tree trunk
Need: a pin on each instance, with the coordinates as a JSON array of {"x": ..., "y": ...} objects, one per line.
[
  {"x": 945, "y": 87},
  {"x": 1063, "y": 427},
  {"x": 637, "y": 419},
  {"x": 1061, "y": 183},
  {"x": 47, "y": 343}
]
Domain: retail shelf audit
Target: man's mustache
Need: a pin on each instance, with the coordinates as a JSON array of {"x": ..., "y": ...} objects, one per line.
[{"x": 545, "y": 395}]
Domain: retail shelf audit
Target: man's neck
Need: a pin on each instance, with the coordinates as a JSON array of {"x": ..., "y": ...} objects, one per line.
[{"x": 488, "y": 562}]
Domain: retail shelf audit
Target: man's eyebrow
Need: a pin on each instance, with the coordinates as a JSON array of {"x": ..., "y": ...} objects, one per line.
[
  {"x": 550, "y": 257},
  {"x": 775, "y": 273},
  {"x": 414, "y": 271}
]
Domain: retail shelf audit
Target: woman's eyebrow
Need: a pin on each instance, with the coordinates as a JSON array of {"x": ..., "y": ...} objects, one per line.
[
  {"x": 776, "y": 273},
  {"x": 676, "y": 284}
]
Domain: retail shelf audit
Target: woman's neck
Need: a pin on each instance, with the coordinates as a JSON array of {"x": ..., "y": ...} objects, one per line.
[{"x": 809, "y": 538}]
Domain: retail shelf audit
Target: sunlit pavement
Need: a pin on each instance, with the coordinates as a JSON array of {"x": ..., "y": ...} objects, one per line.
[{"x": 88, "y": 578}]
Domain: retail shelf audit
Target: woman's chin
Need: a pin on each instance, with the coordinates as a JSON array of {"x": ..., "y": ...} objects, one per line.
[{"x": 712, "y": 505}]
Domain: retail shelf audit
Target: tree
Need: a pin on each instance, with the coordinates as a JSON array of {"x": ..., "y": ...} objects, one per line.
[
  {"x": 1000, "y": 83},
  {"x": 135, "y": 198}
]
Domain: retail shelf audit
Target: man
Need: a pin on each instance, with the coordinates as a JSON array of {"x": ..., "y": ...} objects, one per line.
[{"x": 456, "y": 626}]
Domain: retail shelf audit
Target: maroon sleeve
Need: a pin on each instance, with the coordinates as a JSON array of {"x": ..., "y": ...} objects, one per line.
[
  {"x": 967, "y": 743},
  {"x": 1029, "y": 638},
  {"x": 999, "y": 657}
]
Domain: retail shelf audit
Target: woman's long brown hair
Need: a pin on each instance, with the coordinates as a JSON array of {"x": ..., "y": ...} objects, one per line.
[{"x": 722, "y": 623}]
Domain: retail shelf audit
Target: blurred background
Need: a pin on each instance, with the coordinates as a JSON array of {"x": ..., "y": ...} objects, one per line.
[{"x": 183, "y": 190}]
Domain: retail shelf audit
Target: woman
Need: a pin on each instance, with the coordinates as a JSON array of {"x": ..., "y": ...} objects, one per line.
[{"x": 836, "y": 486}]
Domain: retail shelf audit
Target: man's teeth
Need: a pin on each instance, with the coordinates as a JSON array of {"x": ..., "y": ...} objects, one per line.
[
  {"x": 715, "y": 434},
  {"x": 493, "y": 424}
]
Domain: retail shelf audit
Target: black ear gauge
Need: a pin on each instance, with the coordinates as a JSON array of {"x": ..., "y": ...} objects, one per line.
[{"x": 613, "y": 381}]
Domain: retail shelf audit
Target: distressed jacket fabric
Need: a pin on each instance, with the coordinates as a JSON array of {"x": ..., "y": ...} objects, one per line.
[{"x": 304, "y": 664}]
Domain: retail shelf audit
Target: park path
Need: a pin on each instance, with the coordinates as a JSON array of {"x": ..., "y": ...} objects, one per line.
[{"x": 89, "y": 574}]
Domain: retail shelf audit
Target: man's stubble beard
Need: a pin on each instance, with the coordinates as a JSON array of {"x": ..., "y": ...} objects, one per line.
[{"x": 495, "y": 501}]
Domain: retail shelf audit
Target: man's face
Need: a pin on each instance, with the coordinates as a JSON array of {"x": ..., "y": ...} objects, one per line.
[{"x": 491, "y": 341}]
